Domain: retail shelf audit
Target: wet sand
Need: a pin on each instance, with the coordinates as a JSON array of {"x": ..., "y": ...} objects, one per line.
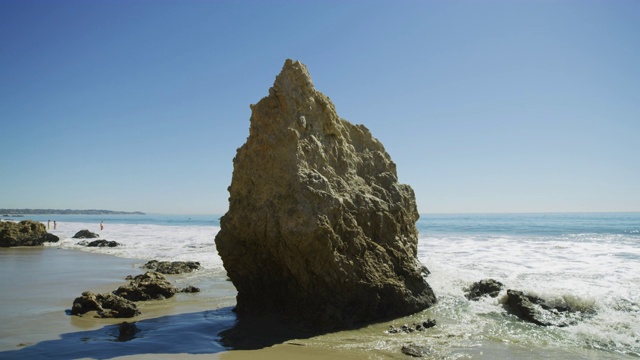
[{"x": 40, "y": 285}]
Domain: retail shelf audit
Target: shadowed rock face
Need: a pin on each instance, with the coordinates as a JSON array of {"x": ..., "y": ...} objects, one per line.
[{"x": 318, "y": 227}]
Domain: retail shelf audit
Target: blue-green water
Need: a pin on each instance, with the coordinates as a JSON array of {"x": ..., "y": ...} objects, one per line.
[
  {"x": 551, "y": 224},
  {"x": 540, "y": 224}
]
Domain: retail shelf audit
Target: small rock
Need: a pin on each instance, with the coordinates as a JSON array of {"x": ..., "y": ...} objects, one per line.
[
  {"x": 481, "y": 288},
  {"x": 429, "y": 323},
  {"x": 415, "y": 327},
  {"x": 85, "y": 234},
  {"x": 127, "y": 331},
  {"x": 103, "y": 243},
  {"x": 107, "y": 305},
  {"x": 415, "y": 350},
  {"x": 541, "y": 312},
  {"x": 406, "y": 328},
  {"x": 190, "y": 289},
  {"x": 521, "y": 306},
  {"x": 147, "y": 286},
  {"x": 172, "y": 267}
]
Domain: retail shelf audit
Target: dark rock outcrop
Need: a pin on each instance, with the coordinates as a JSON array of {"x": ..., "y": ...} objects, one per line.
[
  {"x": 172, "y": 267},
  {"x": 190, "y": 289},
  {"x": 107, "y": 305},
  {"x": 120, "y": 304},
  {"x": 416, "y": 350},
  {"x": 541, "y": 312},
  {"x": 24, "y": 233},
  {"x": 484, "y": 287},
  {"x": 99, "y": 243},
  {"x": 147, "y": 286},
  {"x": 85, "y": 234},
  {"x": 522, "y": 306},
  {"x": 318, "y": 229},
  {"x": 127, "y": 331},
  {"x": 415, "y": 327}
]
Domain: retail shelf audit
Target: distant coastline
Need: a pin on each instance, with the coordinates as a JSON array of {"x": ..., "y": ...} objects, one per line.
[{"x": 6, "y": 212}]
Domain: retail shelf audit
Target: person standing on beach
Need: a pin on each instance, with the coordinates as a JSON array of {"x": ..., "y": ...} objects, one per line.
[
  {"x": 101, "y": 226},
  {"x": 48, "y": 224},
  {"x": 55, "y": 225}
]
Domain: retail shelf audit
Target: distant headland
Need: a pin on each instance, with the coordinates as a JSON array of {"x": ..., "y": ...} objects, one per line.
[{"x": 66, "y": 212}]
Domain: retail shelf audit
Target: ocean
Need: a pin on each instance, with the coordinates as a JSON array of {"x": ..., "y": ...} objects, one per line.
[{"x": 588, "y": 260}]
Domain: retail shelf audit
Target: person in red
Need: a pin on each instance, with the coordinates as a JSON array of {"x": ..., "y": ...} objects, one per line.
[{"x": 101, "y": 226}]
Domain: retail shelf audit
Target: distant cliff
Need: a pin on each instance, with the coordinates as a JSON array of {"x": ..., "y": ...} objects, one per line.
[{"x": 66, "y": 212}]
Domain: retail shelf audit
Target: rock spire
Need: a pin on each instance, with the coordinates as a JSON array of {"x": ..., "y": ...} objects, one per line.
[{"x": 318, "y": 228}]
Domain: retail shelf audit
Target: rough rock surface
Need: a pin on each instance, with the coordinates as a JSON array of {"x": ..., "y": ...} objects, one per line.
[
  {"x": 172, "y": 267},
  {"x": 85, "y": 234},
  {"x": 24, "y": 233},
  {"x": 318, "y": 227},
  {"x": 416, "y": 350},
  {"x": 99, "y": 243},
  {"x": 415, "y": 327},
  {"x": 541, "y": 312},
  {"x": 107, "y": 305},
  {"x": 484, "y": 287},
  {"x": 190, "y": 289},
  {"x": 148, "y": 286}
]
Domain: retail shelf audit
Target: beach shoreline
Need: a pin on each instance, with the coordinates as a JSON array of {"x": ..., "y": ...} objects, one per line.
[
  {"x": 555, "y": 256},
  {"x": 37, "y": 324},
  {"x": 44, "y": 281}
]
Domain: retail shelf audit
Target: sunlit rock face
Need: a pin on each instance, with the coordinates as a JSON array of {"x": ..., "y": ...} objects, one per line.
[
  {"x": 318, "y": 229},
  {"x": 24, "y": 233}
]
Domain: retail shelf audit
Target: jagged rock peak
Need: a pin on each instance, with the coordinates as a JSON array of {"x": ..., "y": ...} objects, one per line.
[{"x": 293, "y": 78}]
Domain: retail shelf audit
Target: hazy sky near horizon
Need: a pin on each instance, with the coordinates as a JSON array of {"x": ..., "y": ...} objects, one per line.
[{"x": 485, "y": 106}]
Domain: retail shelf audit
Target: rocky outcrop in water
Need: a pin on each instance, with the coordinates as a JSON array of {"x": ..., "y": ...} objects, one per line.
[
  {"x": 99, "y": 243},
  {"x": 414, "y": 350},
  {"x": 421, "y": 326},
  {"x": 481, "y": 288},
  {"x": 534, "y": 309},
  {"x": 318, "y": 229},
  {"x": 85, "y": 234},
  {"x": 24, "y": 233},
  {"x": 127, "y": 331},
  {"x": 172, "y": 267}
]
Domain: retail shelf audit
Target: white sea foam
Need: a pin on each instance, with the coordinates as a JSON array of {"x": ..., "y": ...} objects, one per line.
[
  {"x": 587, "y": 272},
  {"x": 148, "y": 242}
]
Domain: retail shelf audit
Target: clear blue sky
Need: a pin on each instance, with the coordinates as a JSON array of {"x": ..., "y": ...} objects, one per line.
[{"x": 485, "y": 106}]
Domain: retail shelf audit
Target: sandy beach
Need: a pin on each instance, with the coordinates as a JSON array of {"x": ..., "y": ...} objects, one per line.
[{"x": 42, "y": 282}]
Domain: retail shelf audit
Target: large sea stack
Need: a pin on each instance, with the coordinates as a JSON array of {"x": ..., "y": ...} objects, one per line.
[{"x": 318, "y": 229}]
